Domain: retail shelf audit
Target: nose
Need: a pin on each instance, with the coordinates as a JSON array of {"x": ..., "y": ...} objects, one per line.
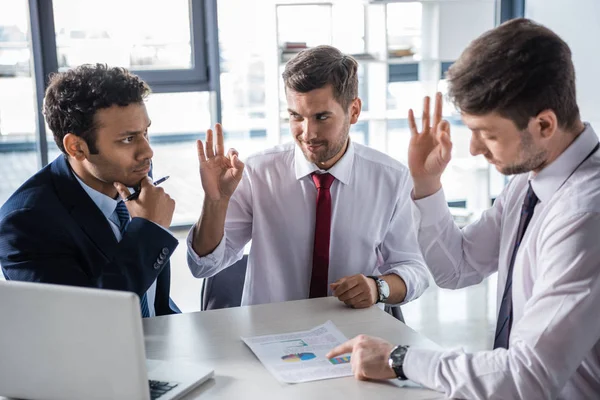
[
  {"x": 476, "y": 146},
  {"x": 308, "y": 130},
  {"x": 145, "y": 151}
]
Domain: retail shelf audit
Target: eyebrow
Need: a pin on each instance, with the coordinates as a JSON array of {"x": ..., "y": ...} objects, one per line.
[
  {"x": 129, "y": 133},
  {"x": 318, "y": 113}
]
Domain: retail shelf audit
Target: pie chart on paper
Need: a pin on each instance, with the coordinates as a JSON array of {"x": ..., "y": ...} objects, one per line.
[{"x": 298, "y": 357}]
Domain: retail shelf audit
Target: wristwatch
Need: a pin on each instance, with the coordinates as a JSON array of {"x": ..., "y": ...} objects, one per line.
[
  {"x": 382, "y": 288},
  {"x": 396, "y": 361}
]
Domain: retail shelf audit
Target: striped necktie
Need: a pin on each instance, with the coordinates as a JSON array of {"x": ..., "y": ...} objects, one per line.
[{"x": 123, "y": 215}]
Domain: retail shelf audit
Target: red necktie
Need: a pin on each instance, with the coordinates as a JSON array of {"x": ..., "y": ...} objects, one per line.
[{"x": 320, "y": 267}]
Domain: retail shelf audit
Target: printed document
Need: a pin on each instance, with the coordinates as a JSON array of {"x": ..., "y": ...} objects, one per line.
[{"x": 300, "y": 356}]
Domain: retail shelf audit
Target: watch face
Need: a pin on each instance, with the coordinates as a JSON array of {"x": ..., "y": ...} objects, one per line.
[{"x": 385, "y": 289}]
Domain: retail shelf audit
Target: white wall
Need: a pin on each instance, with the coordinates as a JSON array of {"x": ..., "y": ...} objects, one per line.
[
  {"x": 462, "y": 22},
  {"x": 578, "y": 23}
]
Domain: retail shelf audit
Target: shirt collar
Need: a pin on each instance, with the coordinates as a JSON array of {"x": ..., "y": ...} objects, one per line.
[
  {"x": 553, "y": 176},
  {"x": 341, "y": 170},
  {"x": 102, "y": 201}
]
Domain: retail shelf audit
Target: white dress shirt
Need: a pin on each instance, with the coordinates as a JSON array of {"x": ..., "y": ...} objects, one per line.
[
  {"x": 108, "y": 207},
  {"x": 372, "y": 230},
  {"x": 554, "y": 349}
]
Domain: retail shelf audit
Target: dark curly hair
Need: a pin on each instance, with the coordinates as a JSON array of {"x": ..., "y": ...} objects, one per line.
[
  {"x": 74, "y": 96},
  {"x": 321, "y": 66},
  {"x": 518, "y": 70}
]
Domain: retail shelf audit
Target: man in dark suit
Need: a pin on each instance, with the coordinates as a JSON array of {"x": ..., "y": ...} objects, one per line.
[{"x": 68, "y": 224}]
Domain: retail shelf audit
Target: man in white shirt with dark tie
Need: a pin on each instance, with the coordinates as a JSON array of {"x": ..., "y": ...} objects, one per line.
[
  {"x": 326, "y": 216},
  {"x": 515, "y": 87}
]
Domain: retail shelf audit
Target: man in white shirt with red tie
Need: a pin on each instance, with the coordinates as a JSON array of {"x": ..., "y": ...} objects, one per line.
[
  {"x": 326, "y": 216},
  {"x": 515, "y": 87}
]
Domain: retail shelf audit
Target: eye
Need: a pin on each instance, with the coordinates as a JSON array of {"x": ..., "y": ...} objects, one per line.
[
  {"x": 128, "y": 139},
  {"x": 322, "y": 117},
  {"x": 295, "y": 117}
]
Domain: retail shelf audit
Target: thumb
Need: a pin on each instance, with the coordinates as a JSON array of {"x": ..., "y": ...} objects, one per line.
[{"x": 122, "y": 189}]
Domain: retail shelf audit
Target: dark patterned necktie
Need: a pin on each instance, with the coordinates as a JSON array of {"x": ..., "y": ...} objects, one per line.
[
  {"x": 123, "y": 215},
  {"x": 505, "y": 316}
]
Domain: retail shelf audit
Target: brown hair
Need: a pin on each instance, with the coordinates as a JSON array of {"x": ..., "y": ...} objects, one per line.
[
  {"x": 320, "y": 66},
  {"x": 518, "y": 69}
]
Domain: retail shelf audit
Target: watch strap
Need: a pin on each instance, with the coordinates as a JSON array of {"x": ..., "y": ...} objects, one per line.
[{"x": 396, "y": 361}]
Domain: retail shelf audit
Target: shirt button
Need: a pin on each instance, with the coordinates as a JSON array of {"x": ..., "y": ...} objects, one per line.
[{"x": 165, "y": 251}]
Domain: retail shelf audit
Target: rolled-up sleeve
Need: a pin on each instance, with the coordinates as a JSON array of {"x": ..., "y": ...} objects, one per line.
[
  {"x": 238, "y": 232},
  {"x": 400, "y": 248},
  {"x": 208, "y": 265}
]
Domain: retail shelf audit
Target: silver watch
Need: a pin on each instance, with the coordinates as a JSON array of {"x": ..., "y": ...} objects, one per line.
[{"x": 383, "y": 289}]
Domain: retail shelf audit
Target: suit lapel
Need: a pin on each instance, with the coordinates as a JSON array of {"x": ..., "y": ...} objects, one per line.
[{"x": 83, "y": 209}]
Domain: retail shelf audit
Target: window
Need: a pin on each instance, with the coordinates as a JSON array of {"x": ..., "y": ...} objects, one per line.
[
  {"x": 402, "y": 47},
  {"x": 151, "y": 37},
  {"x": 17, "y": 99}
]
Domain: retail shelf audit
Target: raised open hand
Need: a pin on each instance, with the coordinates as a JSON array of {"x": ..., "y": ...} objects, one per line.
[
  {"x": 430, "y": 150},
  {"x": 220, "y": 173}
]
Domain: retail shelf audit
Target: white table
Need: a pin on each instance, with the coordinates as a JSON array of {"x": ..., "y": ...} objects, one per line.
[{"x": 212, "y": 338}]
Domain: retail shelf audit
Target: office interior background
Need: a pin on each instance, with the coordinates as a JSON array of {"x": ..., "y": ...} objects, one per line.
[{"x": 211, "y": 61}]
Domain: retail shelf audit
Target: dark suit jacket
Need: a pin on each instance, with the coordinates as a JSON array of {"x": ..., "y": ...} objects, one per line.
[{"x": 51, "y": 231}]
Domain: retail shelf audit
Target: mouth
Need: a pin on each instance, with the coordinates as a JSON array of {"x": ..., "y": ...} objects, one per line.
[
  {"x": 143, "y": 170},
  {"x": 313, "y": 147}
]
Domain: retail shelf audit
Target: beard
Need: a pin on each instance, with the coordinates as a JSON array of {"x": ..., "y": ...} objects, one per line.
[
  {"x": 531, "y": 158},
  {"x": 328, "y": 150}
]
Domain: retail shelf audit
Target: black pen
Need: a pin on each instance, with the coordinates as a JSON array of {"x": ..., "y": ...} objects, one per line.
[{"x": 136, "y": 194}]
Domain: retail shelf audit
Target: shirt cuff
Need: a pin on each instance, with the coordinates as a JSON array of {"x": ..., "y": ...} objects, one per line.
[
  {"x": 198, "y": 264},
  {"x": 412, "y": 275},
  {"x": 432, "y": 209},
  {"x": 420, "y": 366}
]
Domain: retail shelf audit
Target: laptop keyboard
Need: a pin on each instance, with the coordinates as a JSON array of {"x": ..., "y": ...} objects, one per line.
[{"x": 158, "y": 388}]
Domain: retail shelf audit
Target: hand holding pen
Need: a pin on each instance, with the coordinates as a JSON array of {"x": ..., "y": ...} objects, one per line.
[
  {"x": 136, "y": 194},
  {"x": 149, "y": 202}
]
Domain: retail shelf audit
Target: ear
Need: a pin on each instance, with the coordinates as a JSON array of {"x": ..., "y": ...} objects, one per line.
[
  {"x": 545, "y": 123},
  {"x": 75, "y": 146},
  {"x": 355, "y": 108}
]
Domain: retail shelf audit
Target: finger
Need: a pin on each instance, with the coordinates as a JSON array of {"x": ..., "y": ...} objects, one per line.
[
  {"x": 363, "y": 304},
  {"x": 344, "y": 287},
  {"x": 231, "y": 153},
  {"x": 445, "y": 142},
  {"x": 238, "y": 167},
  {"x": 220, "y": 145},
  {"x": 146, "y": 183},
  {"x": 122, "y": 190},
  {"x": 412, "y": 124},
  {"x": 341, "y": 349},
  {"x": 360, "y": 376},
  {"x": 200, "y": 149},
  {"x": 210, "y": 152},
  {"x": 352, "y": 293},
  {"x": 437, "y": 113},
  {"x": 425, "y": 120}
]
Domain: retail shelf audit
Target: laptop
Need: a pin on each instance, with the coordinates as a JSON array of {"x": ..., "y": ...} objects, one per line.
[{"x": 64, "y": 342}]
